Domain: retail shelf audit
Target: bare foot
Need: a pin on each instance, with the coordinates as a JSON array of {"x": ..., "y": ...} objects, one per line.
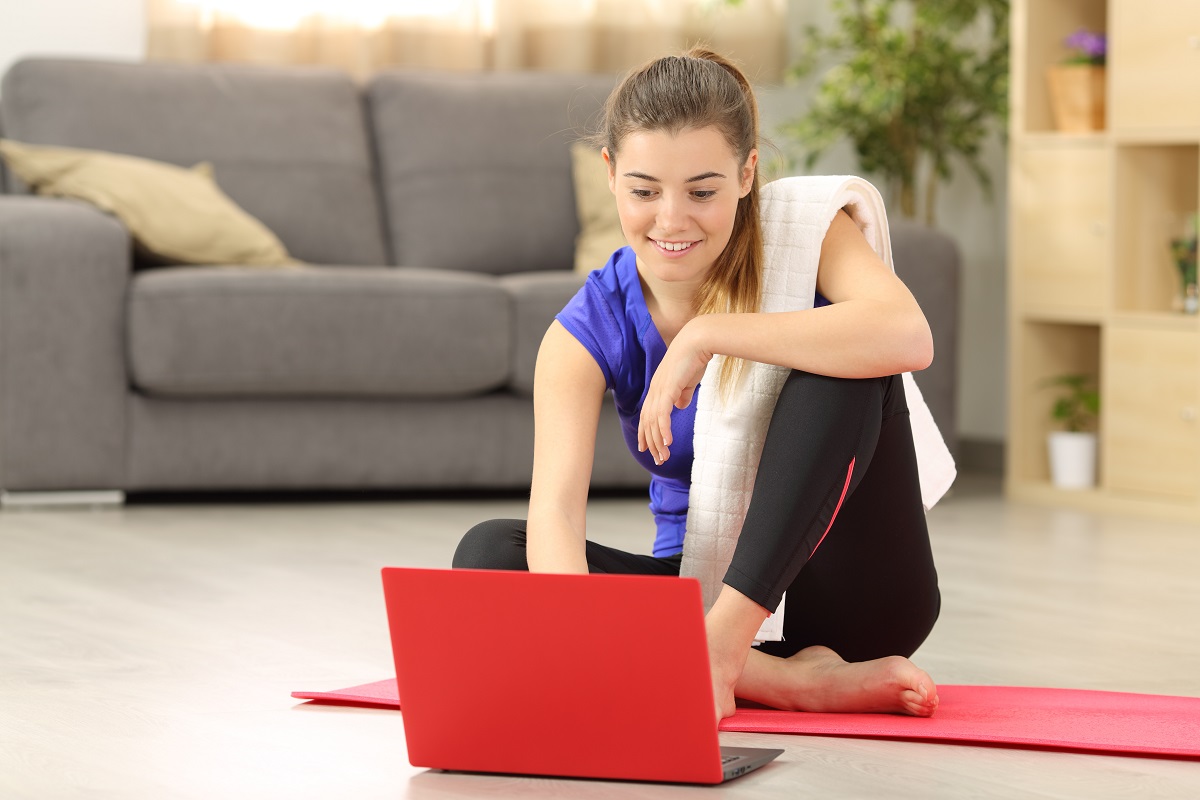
[{"x": 819, "y": 680}]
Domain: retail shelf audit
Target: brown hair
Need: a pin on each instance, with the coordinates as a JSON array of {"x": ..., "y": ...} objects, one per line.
[{"x": 701, "y": 89}]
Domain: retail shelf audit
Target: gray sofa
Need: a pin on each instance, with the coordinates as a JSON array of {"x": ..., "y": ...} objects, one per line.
[{"x": 437, "y": 213}]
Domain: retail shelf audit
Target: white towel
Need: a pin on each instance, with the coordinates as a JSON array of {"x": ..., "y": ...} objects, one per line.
[{"x": 728, "y": 439}]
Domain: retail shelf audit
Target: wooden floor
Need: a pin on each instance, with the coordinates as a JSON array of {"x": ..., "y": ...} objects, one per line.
[{"x": 148, "y": 651}]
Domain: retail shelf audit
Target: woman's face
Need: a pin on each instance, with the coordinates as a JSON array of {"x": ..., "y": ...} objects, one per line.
[{"x": 677, "y": 197}]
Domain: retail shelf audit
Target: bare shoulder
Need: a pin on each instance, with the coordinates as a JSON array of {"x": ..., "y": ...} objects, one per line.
[
  {"x": 565, "y": 366},
  {"x": 849, "y": 266},
  {"x": 843, "y": 239}
]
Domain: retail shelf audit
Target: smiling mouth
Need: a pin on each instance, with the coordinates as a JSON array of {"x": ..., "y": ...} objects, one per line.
[{"x": 673, "y": 247}]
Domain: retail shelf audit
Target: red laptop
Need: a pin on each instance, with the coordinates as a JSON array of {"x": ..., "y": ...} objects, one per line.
[{"x": 588, "y": 676}]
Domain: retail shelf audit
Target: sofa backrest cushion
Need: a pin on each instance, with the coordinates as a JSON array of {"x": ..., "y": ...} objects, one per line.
[
  {"x": 288, "y": 144},
  {"x": 476, "y": 169},
  {"x": 178, "y": 215}
]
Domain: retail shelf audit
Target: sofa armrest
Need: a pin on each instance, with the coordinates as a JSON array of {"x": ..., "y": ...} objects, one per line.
[
  {"x": 929, "y": 263},
  {"x": 64, "y": 273}
]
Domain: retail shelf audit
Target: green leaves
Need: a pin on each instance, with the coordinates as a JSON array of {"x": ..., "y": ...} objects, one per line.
[
  {"x": 1078, "y": 407},
  {"x": 919, "y": 86}
]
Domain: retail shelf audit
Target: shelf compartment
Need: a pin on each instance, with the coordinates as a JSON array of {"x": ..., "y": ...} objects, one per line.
[
  {"x": 1043, "y": 350},
  {"x": 1157, "y": 190},
  {"x": 1040, "y": 28}
]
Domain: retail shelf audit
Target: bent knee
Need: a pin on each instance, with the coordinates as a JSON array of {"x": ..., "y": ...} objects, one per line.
[
  {"x": 495, "y": 544},
  {"x": 921, "y": 618}
]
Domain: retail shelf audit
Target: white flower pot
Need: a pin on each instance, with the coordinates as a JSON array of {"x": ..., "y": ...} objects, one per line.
[{"x": 1073, "y": 460}]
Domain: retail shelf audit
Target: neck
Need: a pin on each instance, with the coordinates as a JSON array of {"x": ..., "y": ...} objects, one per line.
[{"x": 671, "y": 304}]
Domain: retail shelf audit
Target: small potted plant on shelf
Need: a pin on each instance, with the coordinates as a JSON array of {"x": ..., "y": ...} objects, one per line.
[
  {"x": 1073, "y": 449},
  {"x": 1183, "y": 251},
  {"x": 1077, "y": 84}
]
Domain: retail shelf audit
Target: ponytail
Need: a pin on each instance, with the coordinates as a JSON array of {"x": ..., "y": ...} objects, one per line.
[{"x": 734, "y": 283}]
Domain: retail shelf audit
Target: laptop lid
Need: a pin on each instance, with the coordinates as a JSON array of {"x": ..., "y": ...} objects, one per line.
[{"x": 597, "y": 676}]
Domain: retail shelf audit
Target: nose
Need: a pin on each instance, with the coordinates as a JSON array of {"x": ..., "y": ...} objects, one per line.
[{"x": 671, "y": 216}]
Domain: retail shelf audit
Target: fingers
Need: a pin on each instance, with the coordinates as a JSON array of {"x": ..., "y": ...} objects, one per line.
[
  {"x": 668, "y": 391},
  {"x": 654, "y": 433},
  {"x": 657, "y": 442},
  {"x": 664, "y": 432}
]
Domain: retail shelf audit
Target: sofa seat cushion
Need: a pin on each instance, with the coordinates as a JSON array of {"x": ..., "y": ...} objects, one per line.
[
  {"x": 318, "y": 331},
  {"x": 536, "y": 298}
]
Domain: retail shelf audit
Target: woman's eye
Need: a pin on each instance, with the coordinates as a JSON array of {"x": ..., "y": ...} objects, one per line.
[
  {"x": 703, "y": 194},
  {"x": 642, "y": 193}
]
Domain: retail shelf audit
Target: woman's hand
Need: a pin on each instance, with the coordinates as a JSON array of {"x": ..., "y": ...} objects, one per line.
[{"x": 672, "y": 386}]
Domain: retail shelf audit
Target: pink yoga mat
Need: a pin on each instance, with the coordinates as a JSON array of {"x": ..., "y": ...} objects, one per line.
[{"x": 1012, "y": 716}]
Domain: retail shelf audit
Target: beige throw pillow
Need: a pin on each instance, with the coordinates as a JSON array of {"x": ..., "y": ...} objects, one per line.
[
  {"x": 599, "y": 226},
  {"x": 176, "y": 214}
]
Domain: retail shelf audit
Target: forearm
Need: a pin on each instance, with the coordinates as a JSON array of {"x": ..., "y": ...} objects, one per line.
[
  {"x": 568, "y": 389},
  {"x": 554, "y": 542},
  {"x": 855, "y": 339}
]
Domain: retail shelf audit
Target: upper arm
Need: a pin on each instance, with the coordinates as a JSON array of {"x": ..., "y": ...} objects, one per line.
[
  {"x": 883, "y": 307},
  {"x": 568, "y": 389},
  {"x": 851, "y": 270}
]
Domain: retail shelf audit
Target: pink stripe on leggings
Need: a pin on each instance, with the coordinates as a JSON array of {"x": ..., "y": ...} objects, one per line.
[{"x": 845, "y": 488}]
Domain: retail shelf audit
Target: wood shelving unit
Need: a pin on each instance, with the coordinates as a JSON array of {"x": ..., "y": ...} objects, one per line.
[{"x": 1092, "y": 287}]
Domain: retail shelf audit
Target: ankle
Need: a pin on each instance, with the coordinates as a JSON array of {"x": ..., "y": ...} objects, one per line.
[
  {"x": 733, "y": 620},
  {"x": 730, "y": 626}
]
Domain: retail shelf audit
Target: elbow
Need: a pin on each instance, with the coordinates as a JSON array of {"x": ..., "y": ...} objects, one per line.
[
  {"x": 923, "y": 359},
  {"x": 921, "y": 346},
  {"x": 916, "y": 345}
]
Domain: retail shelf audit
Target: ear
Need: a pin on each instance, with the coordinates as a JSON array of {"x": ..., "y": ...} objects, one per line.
[
  {"x": 612, "y": 169},
  {"x": 748, "y": 172}
]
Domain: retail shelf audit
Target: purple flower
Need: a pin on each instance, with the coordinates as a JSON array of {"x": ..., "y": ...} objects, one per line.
[{"x": 1087, "y": 47}]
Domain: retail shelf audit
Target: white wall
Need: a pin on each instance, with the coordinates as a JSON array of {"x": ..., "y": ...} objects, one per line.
[
  {"x": 105, "y": 28},
  {"x": 978, "y": 225}
]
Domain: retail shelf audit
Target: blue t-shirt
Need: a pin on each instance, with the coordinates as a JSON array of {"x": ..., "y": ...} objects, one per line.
[{"x": 609, "y": 317}]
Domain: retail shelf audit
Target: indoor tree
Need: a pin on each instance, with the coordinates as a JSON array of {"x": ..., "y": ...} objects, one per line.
[{"x": 918, "y": 84}]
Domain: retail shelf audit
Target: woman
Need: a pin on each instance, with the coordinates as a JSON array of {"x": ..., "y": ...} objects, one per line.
[{"x": 836, "y": 517}]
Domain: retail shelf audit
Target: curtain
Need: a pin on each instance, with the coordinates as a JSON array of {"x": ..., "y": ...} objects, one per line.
[{"x": 361, "y": 36}]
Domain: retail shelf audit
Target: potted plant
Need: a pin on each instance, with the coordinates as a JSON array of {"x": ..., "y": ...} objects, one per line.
[
  {"x": 919, "y": 84},
  {"x": 1183, "y": 252},
  {"x": 1077, "y": 84},
  {"x": 1073, "y": 449}
]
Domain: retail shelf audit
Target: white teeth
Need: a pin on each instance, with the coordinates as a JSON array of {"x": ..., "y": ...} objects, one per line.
[{"x": 674, "y": 246}]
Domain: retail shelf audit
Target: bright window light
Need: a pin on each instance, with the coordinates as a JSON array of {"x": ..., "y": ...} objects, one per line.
[{"x": 286, "y": 14}]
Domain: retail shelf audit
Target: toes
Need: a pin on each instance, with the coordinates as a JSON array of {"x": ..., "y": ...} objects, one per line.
[
  {"x": 916, "y": 705},
  {"x": 912, "y": 701}
]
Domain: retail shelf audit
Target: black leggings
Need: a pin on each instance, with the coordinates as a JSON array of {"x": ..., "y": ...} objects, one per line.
[{"x": 835, "y": 519}]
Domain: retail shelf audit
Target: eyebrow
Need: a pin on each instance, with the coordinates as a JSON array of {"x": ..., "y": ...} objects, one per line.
[{"x": 641, "y": 176}]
